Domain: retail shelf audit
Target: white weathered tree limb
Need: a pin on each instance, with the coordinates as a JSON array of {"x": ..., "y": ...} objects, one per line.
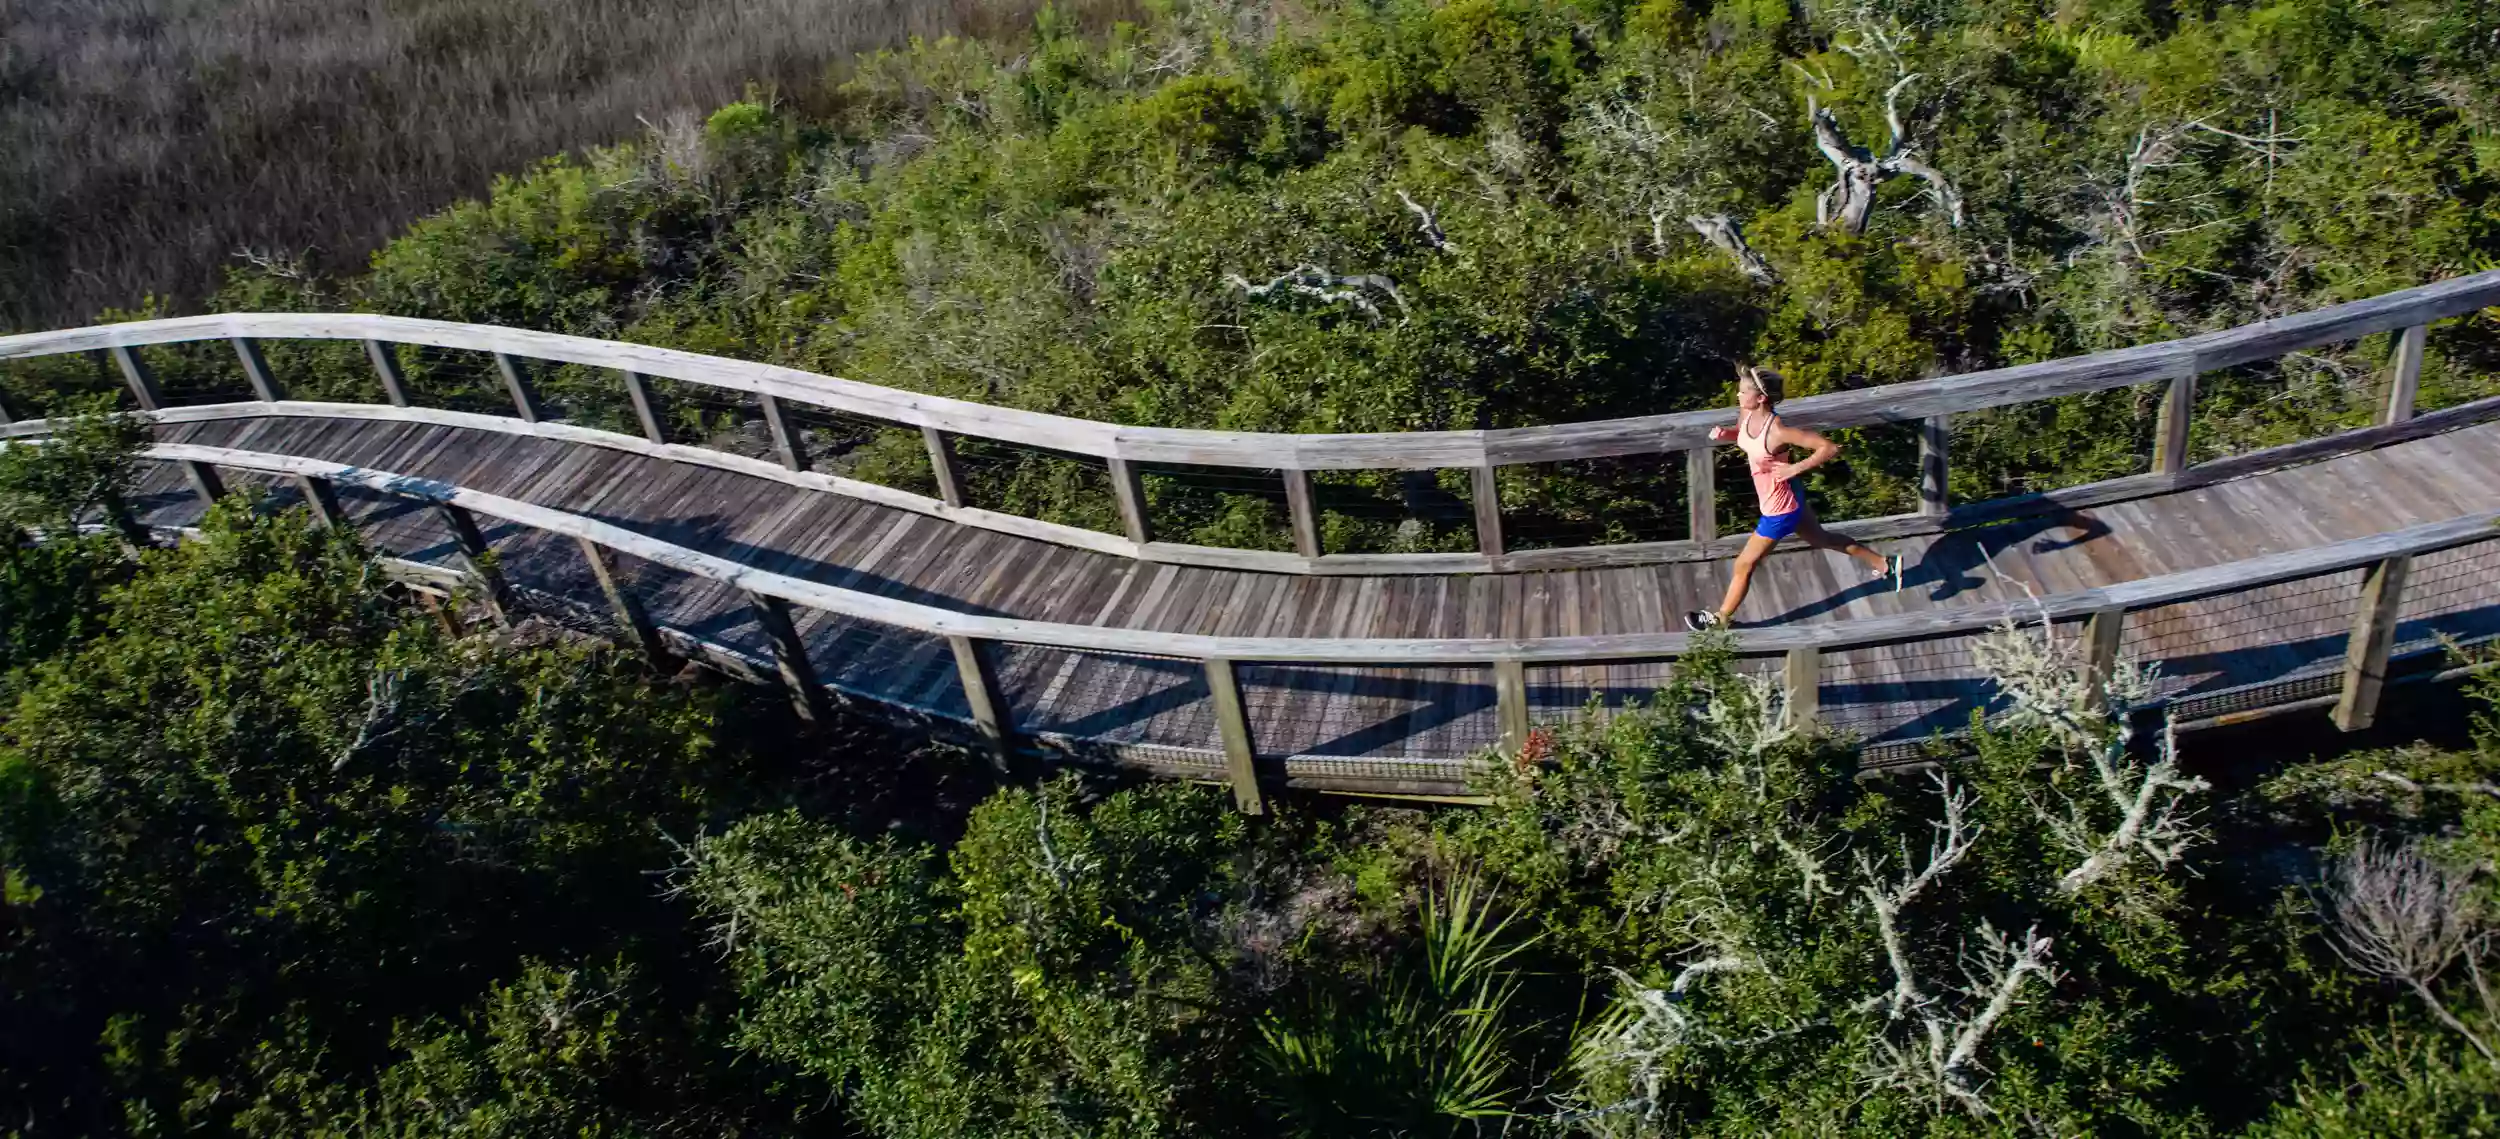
[
  {"x": 1328, "y": 288},
  {"x": 1722, "y": 231},
  {"x": 2405, "y": 918},
  {"x": 2154, "y": 818},
  {"x": 1430, "y": 227},
  {"x": 1857, "y": 171},
  {"x": 1955, "y": 835}
]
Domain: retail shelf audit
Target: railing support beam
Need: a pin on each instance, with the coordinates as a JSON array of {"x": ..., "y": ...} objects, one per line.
[
  {"x": 787, "y": 442},
  {"x": 1233, "y": 724},
  {"x": 1131, "y": 493},
  {"x": 631, "y": 618},
  {"x": 517, "y": 381},
  {"x": 1801, "y": 677},
  {"x": 1932, "y": 468},
  {"x": 646, "y": 411},
  {"x": 978, "y": 672},
  {"x": 142, "y": 381},
  {"x": 256, "y": 369},
  {"x": 1701, "y": 495},
  {"x": 2102, "y": 632},
  {"x": 1488, "y": 496},
  {"x": 386, "y": 365},
  {"x": 204, "y": 482},
  {"x": 321, "y": 497},
  {"x": 471, "y": 543},
  {"x": 1303, "y": 510},
  {"x": 798, "y": 674},
  {"x": 2373, "y": 638},
  {"x": 2170, "y": 433},
  {"x": 1510, "y": 703},
  {"x": 2408, "y": 379},
  {"x": 942, "y": 463}
]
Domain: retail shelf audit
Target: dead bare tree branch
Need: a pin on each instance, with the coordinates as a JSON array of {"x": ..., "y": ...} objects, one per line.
[
  {"x": 1431, "y": 228},
  {"x": 1328, "y": 288},
  {"x": 2402, "y": 917},
  {"x": 1722, "y": 231}
]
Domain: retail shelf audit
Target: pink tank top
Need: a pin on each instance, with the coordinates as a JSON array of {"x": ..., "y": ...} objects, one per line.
[{"x": 1775, "y": 494}]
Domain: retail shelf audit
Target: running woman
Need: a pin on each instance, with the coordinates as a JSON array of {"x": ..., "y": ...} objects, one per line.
[{"x": 1759, "y": 431}]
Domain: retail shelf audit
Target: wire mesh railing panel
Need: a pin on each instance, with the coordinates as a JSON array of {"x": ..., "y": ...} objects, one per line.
[
  {"x": 1324, "y": 710},
  {"x": 1569, "y": 693},
  {"x": 700, "y": 415},
  {"x": 2450, "y": 594},
  {"x": 162, "y": 497},
  {"x": 1595, "y": 502},
  {"x": 2304, "y": 395},
  {"x": 2455, "y": 370},
  {"x": 2048, "y": 444},
  {"x": 857, "y": 447},
  {"x": 1875, "y": 475},
  {"x": 1907, "y": 691},
  {"x": 1394, "y": 512},
  {"x": 397, "y": 526},
  {"x": 897, "y": 666},
  {"x": 2258, "y": 635},
  {"x": 1054, "y": 486},
  {"x": 1080, "y": 698},
  {"x": 697, "y": 607},
  {"x": 580, "y": 394},
  {"x": 329, "y": 371},
  {"x": 452, "y": 379},
  {"x": 1238, "y": 508},
  {"x": 196, "y": 372}
]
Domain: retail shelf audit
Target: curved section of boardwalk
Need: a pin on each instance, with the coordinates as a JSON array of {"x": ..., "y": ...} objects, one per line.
[{"x": 1411, "y": 728}]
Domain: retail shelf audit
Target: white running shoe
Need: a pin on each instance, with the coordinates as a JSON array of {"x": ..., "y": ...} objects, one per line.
[
  {"x": 1895, "y": 567},
  {"x": 1700, "y": 619}
]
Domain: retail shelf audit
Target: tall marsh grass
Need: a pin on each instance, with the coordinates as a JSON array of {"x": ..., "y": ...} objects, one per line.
[{"x": 145, "y": 143}]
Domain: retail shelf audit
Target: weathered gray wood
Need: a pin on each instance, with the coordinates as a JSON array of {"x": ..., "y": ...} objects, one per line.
[
  {"x": 950, "y": 479},
  {"x": 2373, "y": 635},
  {"x": 788, "y": 444},
  {"x": 798, "y": 674},
  {"x": 256, "y": 369},
  {"x": 2170, "y": 432},
  {"x": 1510, "y": 698},
  {"x": 386, "y": 365},
  {"x": 631, "y": 619},
  {"x": 646, "y": 410},
  {"x": 2102, "y": 633},
  {"x": 2408, "y": 379},
  {"x": 516, "y": 380},
  {"x": 477, "y": 559},
  {"x": 1488, "y": 496},
  {"x": 1701, "y": 495},
  {"x": 1932, "y": 470},
  {"x": 978, "y": 673},
  {"x": 204, "y": 482},
  {"x": 321, "y": 497},
  {"x": 1240, "y": 757},
  {"x": 1304, "y": 512},
  {"x": 1131, "y": 494},
  {"x": 142, "y": 381},
  {"x": 6, "y": 416},
  {"x": 2141, "y": 593},
  {"x": 1801, "y": 679}
]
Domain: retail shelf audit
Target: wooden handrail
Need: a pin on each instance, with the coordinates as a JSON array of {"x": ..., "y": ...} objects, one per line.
[
  {"x": 2232, "y": 577},
  {"x": 1892, "y": 403}
]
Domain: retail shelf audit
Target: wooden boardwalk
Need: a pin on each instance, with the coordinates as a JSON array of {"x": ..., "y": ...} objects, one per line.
[{"x": 1412, "y": 726}]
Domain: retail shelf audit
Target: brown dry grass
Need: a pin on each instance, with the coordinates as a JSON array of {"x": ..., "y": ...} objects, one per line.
[{"x": 143, "y": 143}]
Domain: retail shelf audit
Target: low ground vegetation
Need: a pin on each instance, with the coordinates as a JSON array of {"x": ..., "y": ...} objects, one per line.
[{"x": 283, "y": 858}]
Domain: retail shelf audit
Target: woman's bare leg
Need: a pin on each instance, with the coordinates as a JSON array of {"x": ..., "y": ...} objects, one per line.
[
  {"x": 1755, "y": 547},
  {"x": 1811, "y": 529}
]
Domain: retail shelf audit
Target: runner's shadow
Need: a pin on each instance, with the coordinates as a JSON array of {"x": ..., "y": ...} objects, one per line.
[{"x": 1958, "y": 561}]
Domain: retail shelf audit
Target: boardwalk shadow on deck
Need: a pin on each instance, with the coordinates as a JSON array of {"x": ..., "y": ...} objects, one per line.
[{"x": 1958, "y": 562}]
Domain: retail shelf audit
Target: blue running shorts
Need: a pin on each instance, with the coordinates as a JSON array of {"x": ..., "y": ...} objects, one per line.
[{"x": 1778, "y": 526}]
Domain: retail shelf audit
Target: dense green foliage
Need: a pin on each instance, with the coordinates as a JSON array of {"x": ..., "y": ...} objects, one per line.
[{"x": 1083, "y": 224}]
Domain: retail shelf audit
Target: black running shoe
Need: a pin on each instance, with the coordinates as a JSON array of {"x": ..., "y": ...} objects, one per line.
[{"x": 1700, "y": 619}]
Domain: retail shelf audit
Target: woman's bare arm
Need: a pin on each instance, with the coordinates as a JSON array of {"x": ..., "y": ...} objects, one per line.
[{"x": 1823, "y": 450}]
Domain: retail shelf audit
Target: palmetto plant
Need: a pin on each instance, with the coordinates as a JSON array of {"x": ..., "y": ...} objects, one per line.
[{"x": 1418, "y": 1047}]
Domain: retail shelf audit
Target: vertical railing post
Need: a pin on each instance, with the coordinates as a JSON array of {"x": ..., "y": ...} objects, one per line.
[
  {"x": 2373, "y": 638},
  {"x": 798, "y": 674},
  {"x": 1801, "y": 677},
  {"x": 136, "y": 374},
  {"x": 942, "y": 462},
  {"x": 386, "y": 365},
  {"x": 1303, "y": 510},
  {"x": 256, "y": 369},
  {"x": 1488, "y": 496},
  {"x": 1701, "y": 494},
  {"x": 2408, "y": 380},
  {"x": 321, "y": 497},
  {"x": 978, "y": 672},
  {"x": 6, "y": 416},
  {"x": 2170, "y": 433},
  {"x": 1232, "y": 722},
  {"x": 204, "y": 481},
  {"x": 517, "y": 381},
  {"x": 787, "y": 442},
  {"x": 1130, "y": 491},
  {"x": 646, "y": 411},
  {"x": 631, "y": 618},
  {"x": 1510, "y": 703},
  {"x": 1932, "y": 467},
  {"x": 2102, "y": 633},
  {"x": 471, "y": 543}
]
